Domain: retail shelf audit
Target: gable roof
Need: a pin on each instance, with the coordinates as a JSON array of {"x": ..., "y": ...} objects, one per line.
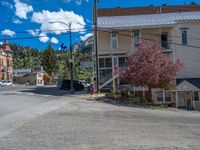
[{"x": 193, "y": 81}]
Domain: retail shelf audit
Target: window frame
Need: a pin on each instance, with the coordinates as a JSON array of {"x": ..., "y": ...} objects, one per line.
[
  {"x": 194, "y": 96},
  {"x": 157, "y": 93},
  {"x": 160, "y": 92},
  {"x": 134, "y": 38},
  {"x": 170, "y": 96},
  {"x": 114, "y": 38},
  {"x": 184, "y": 41},
  {"x": 167, "y": 42}
]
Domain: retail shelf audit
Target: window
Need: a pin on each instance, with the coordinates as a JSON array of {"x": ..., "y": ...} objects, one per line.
[
  {"x": 105, "y": 63},
  {"x": 8, "y": 63},
  {"x": 184, "y": 36},
  {"x": 159, "y": 97},
  {"x": 108, "y": 62},
  {"x": 114, "y": 40},
  {"x": 136, "y": 38},
  {"x": 164, "y": 40},
  {"x": 101, "y": 63},
  {"x": 122, "y": 62},
  {"x": 168, "y": 96},
  {"x": 196, "y": 96}
]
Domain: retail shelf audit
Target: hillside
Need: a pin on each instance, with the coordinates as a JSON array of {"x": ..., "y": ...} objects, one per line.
[{"x": 26, "y": 57}]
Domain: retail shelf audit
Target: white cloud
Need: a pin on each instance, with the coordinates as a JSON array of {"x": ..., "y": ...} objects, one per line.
[
  {"x": 50, "y": 21},
  {"x": 66, "y": 1},
  {"x": 17, "y": 21},
  {"x": 1, "y": 43},
  {"x": 33, "y": 32},
  {"x": 54, "y": 40},
  {"x": 8, "y": 32},
  {"x": 43, "y": 37},
  {"x": 79, "y": 2},
  {"x": 6, "y": 4},
  {"x": 85, "y": 37},
  {"x": 89, "y": 21},
  {"x": 22, "y": 9}
]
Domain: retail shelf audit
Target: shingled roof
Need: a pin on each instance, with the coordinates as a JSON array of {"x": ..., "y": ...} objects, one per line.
[
  {"x": 193, "y": 81},
  {"x": 147, "y": 10}
]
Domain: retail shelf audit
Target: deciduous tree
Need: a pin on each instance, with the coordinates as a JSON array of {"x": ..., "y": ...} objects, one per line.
[{"x": 150, "y": 67}]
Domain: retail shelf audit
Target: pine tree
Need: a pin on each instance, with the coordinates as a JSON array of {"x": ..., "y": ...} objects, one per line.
[{"x": 49, "y": 60}]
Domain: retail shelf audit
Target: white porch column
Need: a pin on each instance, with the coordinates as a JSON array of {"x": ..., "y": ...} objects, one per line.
[
  {"x": 163, "y": 96},
  {"x": 176, "y": 99},
  {"x": 193, "y": 99}
]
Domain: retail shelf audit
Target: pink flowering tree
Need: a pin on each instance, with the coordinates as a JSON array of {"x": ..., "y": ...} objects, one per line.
[{"x": 150, "y": 67}]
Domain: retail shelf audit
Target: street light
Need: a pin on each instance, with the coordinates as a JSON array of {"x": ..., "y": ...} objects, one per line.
[{"x": 71, "y": 55}]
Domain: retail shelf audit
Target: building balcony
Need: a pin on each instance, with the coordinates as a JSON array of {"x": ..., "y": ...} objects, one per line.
[{"x": 167, "y": 48}]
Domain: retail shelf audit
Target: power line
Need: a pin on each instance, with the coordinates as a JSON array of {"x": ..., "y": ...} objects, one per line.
[
  {"x": 157, "y": 34},
  {"x": 40, "y": 31},
  {"x": 169, "y": 42},
  {"x": 90, "y": 29},
  {"x": 38, "y": 36}
]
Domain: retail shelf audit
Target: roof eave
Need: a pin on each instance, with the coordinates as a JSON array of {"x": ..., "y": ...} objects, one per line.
[{"x": 138, "y": 27}]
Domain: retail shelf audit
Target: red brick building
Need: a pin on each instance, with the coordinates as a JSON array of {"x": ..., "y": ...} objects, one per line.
[{"x": 6, "y": 69}]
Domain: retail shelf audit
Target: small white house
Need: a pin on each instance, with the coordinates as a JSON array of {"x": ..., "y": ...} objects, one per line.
[{"x": 187, "y": 91}]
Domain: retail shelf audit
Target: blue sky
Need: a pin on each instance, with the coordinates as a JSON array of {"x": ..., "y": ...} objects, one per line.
[{"x": 27, "y": 18}]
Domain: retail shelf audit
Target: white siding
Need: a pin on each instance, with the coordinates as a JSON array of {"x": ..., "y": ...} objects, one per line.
[{"x": 189, "y": 57}]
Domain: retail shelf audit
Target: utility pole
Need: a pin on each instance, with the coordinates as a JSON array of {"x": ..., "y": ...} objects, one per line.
[
  {"x": 71, "y": 54},
  {"x": 72, "y": 60},
  {"x": 96, "y": 46}
]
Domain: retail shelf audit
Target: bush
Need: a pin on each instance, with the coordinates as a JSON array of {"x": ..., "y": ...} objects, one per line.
[
  {"x": 163, "y": 105},
  {"x": 125, "y": 93}
]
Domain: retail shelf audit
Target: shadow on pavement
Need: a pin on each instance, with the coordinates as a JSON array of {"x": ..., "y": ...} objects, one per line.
[{"x": 49, "y": 90}]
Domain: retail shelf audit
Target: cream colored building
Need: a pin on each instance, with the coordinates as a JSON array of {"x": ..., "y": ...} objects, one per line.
[
  {"x": 34, "y": 76},
  {"x": 120, "y": 30}
]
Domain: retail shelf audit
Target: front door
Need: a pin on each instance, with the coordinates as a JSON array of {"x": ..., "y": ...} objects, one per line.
[{"x": 181, "y": 100}]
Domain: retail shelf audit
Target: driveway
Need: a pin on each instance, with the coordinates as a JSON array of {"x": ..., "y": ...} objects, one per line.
[{"x": 84, "y": 124}]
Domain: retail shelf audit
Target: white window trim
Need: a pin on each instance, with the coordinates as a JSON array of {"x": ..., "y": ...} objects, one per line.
[
  {"x": 111, "y": 40},
  {"x": 170, "y": 96},
  {"x": 133, "y": 40},
  {"x": 184, "y": 29},
  {"x": 163, "y": 97},
  {"x": 198, "y": 96}
]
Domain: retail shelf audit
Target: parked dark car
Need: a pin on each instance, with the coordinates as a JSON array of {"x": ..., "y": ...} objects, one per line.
[{"x": 66, "y": 85}]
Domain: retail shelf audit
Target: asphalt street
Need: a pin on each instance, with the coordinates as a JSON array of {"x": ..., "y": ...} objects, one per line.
[{"x": 67, "y": 122}]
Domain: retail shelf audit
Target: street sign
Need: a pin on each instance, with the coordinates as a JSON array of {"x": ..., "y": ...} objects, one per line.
[{"x": 86, "y": 64}]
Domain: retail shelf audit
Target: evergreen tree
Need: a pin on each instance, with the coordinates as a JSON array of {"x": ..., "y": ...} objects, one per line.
[{"x": 49, "y": 60}]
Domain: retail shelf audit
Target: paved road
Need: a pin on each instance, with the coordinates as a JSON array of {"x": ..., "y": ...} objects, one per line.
[
  {"x": 19, "y": 104},
  {"x": 82, "y": 124}
]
